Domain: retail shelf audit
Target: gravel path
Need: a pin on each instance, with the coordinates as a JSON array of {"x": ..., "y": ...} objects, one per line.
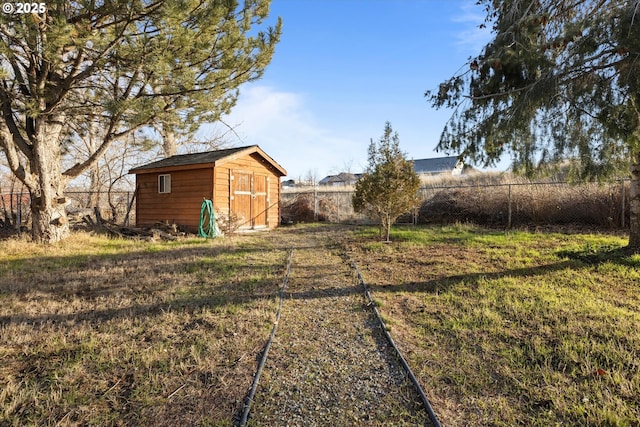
[{"x": 329, "y": 364}]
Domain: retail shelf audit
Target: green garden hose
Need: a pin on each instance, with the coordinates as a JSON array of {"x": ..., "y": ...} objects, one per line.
[{"x": 208, "y": 227}]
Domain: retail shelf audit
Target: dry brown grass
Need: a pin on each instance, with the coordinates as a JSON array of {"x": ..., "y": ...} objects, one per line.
[
  {"x": 480, "y": 198},
  {"x": 501, "y": 328},
  {"x": 322, "y": 203},
  {"x": 98, "y": 331},
  {"x": 528, "y": 204}
]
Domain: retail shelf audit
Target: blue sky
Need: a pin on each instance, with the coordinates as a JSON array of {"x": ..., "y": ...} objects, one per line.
[{"x": 345, "y": 67}]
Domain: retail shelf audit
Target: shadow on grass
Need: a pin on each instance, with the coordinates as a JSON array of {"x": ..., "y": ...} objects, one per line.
[
  {"x": 439, "y": 284},
  {"x": 592, "y": 255},
  {"x": 442, "y": 284},
  {"x": 187, "y": 305},
  {"x": 191, "y": 278},
  {"x": 571, "y": 259},
  {"x": 182, "y": 279},
  {"x": 186, "y": 278},
  {"x": 575, "y": 260}
]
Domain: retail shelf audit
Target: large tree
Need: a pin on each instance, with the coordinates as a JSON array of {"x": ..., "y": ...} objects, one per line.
[
  {"x": 560, "y": 80},
  {"x": 123, "y": 65},
  {"x": 389, "y": 186}
]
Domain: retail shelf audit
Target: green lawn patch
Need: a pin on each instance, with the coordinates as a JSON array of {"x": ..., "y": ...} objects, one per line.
[{"x": 513, "y": 328}]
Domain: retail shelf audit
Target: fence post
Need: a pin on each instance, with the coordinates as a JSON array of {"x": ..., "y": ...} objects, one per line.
[
  {"x": 509, "y": 209},
  {"x": 315, "y": 202},
  {"x": 126, "y": 219}
]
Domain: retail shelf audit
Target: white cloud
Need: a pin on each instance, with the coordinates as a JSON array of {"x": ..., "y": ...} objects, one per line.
[
  {"x": 474, "y": 38},
  {"x": 260, "y": 108},
  {"x": 282, "y": 125}
]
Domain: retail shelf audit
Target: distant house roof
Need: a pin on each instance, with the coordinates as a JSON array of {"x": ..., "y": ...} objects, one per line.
[
  {"x": 212, "y": 158},
  {"x": 436, "y": 165},
  {"x": 343, "y": 178}
]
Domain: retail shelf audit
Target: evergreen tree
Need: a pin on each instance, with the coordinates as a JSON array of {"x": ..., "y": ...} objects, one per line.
[
  {"x": 389, "y": 187},
  {"x": 124, "y": 65},
  {"x": 560, "y": 80}
]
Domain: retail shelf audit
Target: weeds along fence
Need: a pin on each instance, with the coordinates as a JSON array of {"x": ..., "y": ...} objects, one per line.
[
  {"x": 309, "y": 204},
  {"x": 507, "y": 205},
  {"x": 15, "y": 207}
]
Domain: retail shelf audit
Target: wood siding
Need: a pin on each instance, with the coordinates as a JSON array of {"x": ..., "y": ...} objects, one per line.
[
  {"x": 181, "y": 206},
  {"x": 263, "y": 200},
  {"x": 257, "y": 201}
]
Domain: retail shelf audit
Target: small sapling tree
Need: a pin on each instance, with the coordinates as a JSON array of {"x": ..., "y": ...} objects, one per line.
[{"x": 389, "y": 187}]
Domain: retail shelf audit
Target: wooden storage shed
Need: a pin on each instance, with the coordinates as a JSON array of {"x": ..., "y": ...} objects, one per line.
[{"x": 243, "y": 182}]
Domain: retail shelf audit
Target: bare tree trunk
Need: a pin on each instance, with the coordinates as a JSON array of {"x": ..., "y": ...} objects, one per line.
[
  {"x": 95, "y": 183},
  {"x": 634, "y": 203},
  {"x": 169, "y": 144},
  {"x": 49, "y": 217},
  {"x": 387, "y": 227},
  {"x": 94, "y": 186}
]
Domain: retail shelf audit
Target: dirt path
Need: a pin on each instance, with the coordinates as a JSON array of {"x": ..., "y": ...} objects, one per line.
[{"x": 329, "y": 363}]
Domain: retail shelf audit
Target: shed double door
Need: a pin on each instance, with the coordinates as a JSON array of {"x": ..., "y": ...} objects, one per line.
[{"x": 249, "y": 198}]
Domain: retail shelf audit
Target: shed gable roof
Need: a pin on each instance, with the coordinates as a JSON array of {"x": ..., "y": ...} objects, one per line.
[
  {"x": 213, "y": 158},
  {"x": 437, "y": 165}
]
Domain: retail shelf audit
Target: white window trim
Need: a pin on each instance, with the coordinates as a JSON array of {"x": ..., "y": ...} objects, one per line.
[{"x": 164, "y": 181}]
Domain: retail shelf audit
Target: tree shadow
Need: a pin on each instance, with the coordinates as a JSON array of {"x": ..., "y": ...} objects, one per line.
[
  {"x": 593, "y": 255},
  {"x": 186, "y": 279},
  {"x": 569, "y": 259},
  {"x": 191, "y": 305},
  {"x": 219, "y": 275},
  {"x": 442, "y": 284}
]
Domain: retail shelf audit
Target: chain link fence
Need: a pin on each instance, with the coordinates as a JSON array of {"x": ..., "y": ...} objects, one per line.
[
  {"x": 81, "y": 206},
  {"x": 309, "y": 204},
  {"x": 522, "y": 204},
  {"x": 506, "y": 205},
  {"x": 503, "y": 205}
]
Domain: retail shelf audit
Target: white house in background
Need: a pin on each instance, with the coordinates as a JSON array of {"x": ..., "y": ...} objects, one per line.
[{"x": 438, "y": 166}]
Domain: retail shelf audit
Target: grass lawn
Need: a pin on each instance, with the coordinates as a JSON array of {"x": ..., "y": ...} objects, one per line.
[
  {"x": 501, "y": 328},
  {"x": 110, "y": 332},
  {"x": 513, "y": 328}
]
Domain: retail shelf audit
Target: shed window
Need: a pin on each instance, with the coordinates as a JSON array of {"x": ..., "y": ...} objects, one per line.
[{"x": 164, "y": 183}]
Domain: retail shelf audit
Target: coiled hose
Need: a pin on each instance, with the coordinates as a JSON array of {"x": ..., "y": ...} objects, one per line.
[{"x": 208, "y": 227}]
